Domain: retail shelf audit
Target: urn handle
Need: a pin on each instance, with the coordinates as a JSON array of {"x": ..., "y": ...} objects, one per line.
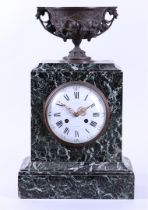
[
  {"x": 41, "y": 11},
  {"x": 106, "y": 23}
]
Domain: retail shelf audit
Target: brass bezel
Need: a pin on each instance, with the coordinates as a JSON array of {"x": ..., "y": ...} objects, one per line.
[{"x": 49, "y": 98}]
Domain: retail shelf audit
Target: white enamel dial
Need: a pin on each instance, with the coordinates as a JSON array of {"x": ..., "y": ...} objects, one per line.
[{"x": 76, "y": 113}]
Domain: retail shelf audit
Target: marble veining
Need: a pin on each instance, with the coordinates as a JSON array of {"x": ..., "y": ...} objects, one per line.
[
  {"x": 45, "y": 78},
  {"x": 47, "y": 167},
  {"x": 96, "y": 171},
  {"x": 76, "y": 180}
]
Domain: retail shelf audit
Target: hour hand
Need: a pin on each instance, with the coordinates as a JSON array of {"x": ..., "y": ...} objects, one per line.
[{"x": 82, "y": 110}]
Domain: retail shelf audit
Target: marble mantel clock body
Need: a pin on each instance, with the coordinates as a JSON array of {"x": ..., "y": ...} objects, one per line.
[
  {"x": 57, "y": 170},
  {"x": 44, "y": 80},
  {"x": 76, "y": 119}
]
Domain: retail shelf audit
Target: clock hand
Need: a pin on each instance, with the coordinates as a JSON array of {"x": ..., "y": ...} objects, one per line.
[
  {"x": 82, "y": 111},
  {"x": 67, "y": 107}
]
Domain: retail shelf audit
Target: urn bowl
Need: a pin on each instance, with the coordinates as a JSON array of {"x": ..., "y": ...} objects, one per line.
[{"x": 77, "y": 23}]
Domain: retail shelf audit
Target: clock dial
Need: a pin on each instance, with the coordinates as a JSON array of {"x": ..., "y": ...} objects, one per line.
[{"x": 76, "y": 113}]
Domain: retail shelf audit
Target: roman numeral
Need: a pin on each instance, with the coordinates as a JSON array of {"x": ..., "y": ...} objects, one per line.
[
  {"x": 92, "y": 105},
  {"x": 76, "y": 95},
  {"x": 66, "y": 131},
  {"x": 59, "y": 123},
  {"x": 96, "y": 114},
  {"x": 87, "y": 130},
  {"x": 93, "y": 123},
  {"x": 49, "y": 114},
  {"x": 57, "y": 114},
  {"x": 67, "y": 97},
  {"x": 86, "y": 98},
  {"x": 76, "y": 134}
]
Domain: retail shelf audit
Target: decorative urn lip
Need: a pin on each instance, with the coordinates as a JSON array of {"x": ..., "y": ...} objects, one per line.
[{"x": 91, "y": 8}]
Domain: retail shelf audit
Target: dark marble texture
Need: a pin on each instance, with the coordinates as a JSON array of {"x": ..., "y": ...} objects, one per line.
[
  {"x": 45, "y": 78},
  {"x": 46, "y": 179},
  {"x": 95, "y": 171}
]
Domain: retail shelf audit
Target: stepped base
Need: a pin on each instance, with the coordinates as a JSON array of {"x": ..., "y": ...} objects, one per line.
[{"x": 75, "y": 180}]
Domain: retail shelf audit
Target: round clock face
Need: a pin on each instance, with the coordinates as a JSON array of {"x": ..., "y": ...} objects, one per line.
[{"x": 76, "y": 113}]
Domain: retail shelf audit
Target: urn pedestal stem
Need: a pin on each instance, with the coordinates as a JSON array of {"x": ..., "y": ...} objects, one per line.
[{"x": 76, "y": 55}]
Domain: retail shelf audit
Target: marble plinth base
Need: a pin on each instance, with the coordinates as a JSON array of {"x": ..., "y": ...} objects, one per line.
[{"x": 73, "y": 180}]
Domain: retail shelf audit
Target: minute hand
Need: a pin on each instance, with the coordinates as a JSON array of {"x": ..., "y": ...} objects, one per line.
[{"x": 67, "y": 107}]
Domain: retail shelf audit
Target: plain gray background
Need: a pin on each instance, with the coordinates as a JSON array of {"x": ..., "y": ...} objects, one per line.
[{"x": 23, "y": 44}]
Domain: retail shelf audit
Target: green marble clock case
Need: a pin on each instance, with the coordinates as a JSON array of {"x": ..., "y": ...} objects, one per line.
[
  {"x": 96, "y": 171},
  {"x": 44, "y": 79}
]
